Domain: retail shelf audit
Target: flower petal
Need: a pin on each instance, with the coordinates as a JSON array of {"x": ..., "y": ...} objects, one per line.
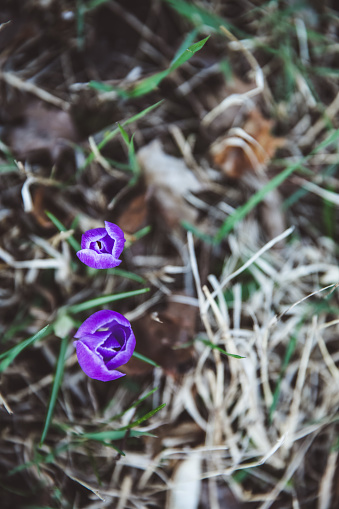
[
  {"x": 107, "y": 244},
  {"x": 120, "y": 319},
  {"x": 93, "y": 365},
  {"x": 93, "y": 341},
  {"x": 92, "y": 236},
  {"x": 97, "y": 321},
  {"x": 117, "y": 234},
  {"x": 97, "y": 260},
  {"x": 123, "y": 355}
]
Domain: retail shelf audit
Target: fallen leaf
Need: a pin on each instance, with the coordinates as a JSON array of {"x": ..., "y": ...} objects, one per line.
[
  {"x": 134, "y": 215},
  {"x": 168, "y": 180},
  {"x": 247, "y": 149},
  {"x": 44, "y": 133}
]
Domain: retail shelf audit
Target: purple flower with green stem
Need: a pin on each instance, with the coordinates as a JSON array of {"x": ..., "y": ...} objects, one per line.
[
  {"x": 101, "y": 247},
  {"x": 104, "y": 342}
]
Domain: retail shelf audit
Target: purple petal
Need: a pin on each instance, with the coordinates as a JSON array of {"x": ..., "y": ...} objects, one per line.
[
  {"x": 97, "y": 321},
  {"x": 97, "y": 260},
  {"x": 117, "y": 235},
  {"x": 119, "y": 319},
  {"x": 101, "y": 319},
  {"x": 111, "y": 344},
  {"x": 93, "y": 365},
  {"x": 109, "y": 348},
  {"x": 108, "y": 244},
  {"x": 123, "y": 355},
  {"x": 92, "y": 236},
  {"x": 93, "y": 341}
]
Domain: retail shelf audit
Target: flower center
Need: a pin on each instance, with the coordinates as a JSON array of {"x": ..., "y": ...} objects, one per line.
[{"x": 113, "y": 344}]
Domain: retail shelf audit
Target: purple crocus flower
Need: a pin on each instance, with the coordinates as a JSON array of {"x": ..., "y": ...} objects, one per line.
[
  {"x": 101, "y": 247},
  {"x": 105, "y": 341}
]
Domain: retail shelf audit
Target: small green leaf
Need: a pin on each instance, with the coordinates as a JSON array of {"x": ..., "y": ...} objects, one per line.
[{"x": 124, "y": 135}]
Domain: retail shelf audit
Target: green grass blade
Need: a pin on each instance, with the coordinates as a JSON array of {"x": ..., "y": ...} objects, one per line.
[
  {"x": 216, "y": 347},
  {"x": 143, "y": 418},
  {"x": 104, "y": 87},
  {"x": 126, "y": 274},
  {"x": 8, "y": 356},
  {"x": 329, "y": 210},
  {"x": 189, "y": 39},
  {"x": 55, "y": 389},
  {"x": 112, "y": 435},
  {"x": 141, "y": 233},
  {"x": 106, "y": 299},
  {"x": 188, "y": 53},
  {"x": 124, "y": 135},
  {"x": 145, "y": 359},
  {"x": 148, "y": 84},
  {"x": 132, "y": 157},
  {"x": 113, "y": 133},
  {"x": 71, "y": 240}
]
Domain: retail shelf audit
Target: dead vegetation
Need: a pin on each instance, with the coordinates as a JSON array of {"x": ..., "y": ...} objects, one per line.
[{"x": 228, "y": 193}]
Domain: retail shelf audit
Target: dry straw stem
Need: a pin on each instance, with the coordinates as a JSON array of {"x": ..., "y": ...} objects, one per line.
[
  {"x": 25, "y": 86},
  {"x": 292, "y": 419},
  {"x": 327, "y": 482},
  {"x": 238, "y": 99}
]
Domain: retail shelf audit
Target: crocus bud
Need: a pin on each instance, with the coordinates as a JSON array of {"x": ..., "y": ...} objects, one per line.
[
  {"x": 105, "y": 341},
  {"x": 101, "y": 247}
]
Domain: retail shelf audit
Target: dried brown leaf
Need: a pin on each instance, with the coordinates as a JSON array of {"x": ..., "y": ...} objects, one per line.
[
  {"x": 44, "y": 133},
  {"x": 246, "y": 149},
  {"x": 169, "y": 180}
]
